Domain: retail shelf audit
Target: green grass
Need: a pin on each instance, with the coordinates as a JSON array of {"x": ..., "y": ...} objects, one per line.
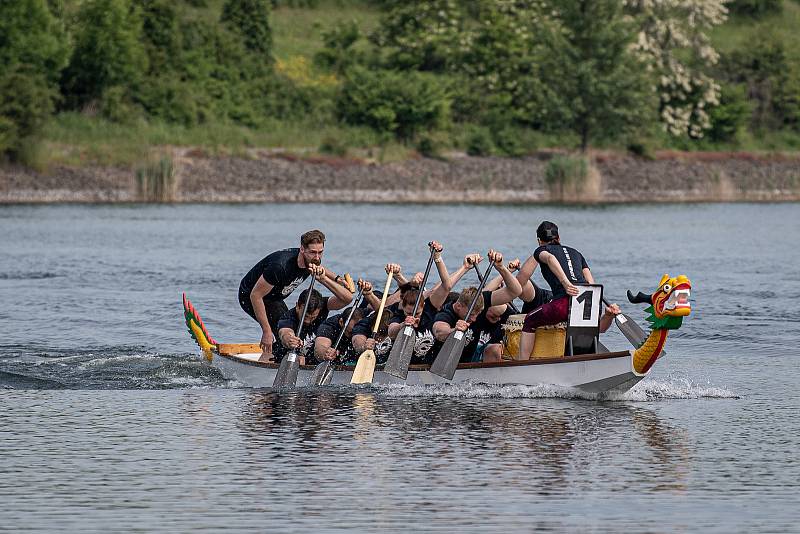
[{"x": 298, "y": 32}]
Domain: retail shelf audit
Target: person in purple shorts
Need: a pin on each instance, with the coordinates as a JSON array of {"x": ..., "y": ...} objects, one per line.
[{"x": 562, "y": 268}]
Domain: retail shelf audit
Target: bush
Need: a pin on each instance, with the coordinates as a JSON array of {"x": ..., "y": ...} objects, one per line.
[
  {"x": 338, "y": 54},
  {"x": 250, "y": 19},
  {"x": 155, "y": 181},
  {"x": 26, "y": 102},
  {"x": 508, "y": 142},
  {"x": 334, "y": 146},
  {"x": 730, "y": 116},
  {"x": 755, "y": 8},
  {"x": 401, "y": 104},
  {"x": 108, "y": 51},
  {"x": 479, "y": 142}
]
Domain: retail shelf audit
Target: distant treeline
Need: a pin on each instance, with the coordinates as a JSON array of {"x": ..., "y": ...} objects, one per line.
[{"x": 598, "y": 72}]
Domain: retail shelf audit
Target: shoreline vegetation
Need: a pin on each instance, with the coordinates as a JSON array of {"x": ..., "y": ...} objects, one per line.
[
  {"x": 546, "y": 176},
  {"x": 417, "y": 101}
]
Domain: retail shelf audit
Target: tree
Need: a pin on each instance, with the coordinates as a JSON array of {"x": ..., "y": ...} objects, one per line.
[
  {"x": 33, "y": 52},
  {"x": 108, "y": 51},
  {"x": 673, "y": 41},
  {"x": 250, "y": 19},
  {"x": 603, "y": 88}
]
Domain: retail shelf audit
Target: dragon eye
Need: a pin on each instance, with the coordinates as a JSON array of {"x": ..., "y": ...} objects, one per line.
[{"x": 667, "y": 288}]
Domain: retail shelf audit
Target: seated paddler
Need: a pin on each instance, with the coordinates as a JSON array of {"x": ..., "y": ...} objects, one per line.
[
  {"x": 562, "y": 267},
  {"x": 330, "y": 329},
  {"x": 483, "y": 330}
]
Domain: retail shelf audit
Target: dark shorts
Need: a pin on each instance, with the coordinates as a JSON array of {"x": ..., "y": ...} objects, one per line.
[
  {"x": 275, "y": 309},
  {"x": 552, "y": 312}
]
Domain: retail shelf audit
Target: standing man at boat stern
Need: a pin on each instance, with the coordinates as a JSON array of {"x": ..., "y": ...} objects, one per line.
[{"x": 264, "y": 288}]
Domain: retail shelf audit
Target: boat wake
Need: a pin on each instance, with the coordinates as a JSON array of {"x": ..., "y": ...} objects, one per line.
[{"x": 645, "y": 391}]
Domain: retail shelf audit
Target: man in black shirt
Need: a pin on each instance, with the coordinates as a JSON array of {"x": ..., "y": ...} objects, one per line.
[
  {"x": 329, "y": 330},
  {"x": 264, "y": 288},
  {"x": 288, "y": 325},
  {"x": 483, "y": 331}
]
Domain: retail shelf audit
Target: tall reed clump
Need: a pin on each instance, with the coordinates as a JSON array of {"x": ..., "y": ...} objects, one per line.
[
  {"x": 155, "y": 181},
  {"x": 565, "y": 177}
]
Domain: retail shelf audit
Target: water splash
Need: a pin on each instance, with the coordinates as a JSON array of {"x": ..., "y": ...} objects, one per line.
[{"x": 645, "y": 391}]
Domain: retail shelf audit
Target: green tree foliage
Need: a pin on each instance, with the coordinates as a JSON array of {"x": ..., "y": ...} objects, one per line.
[
  {"x": 604, "y": 91},
  {"x": 755, "y": 8},
  {"x": 26, "y": 102},
  {"x": 728, "y": 119},
  {"x": 32, "y": 53},
  {"x": 161, "y": 34},
  {"x": 108, "y": 51},
  {"x": 250, "y": 19},
  {"x": 772, "y": 84},
  {"x": 401, "y": 104},
  {"x": 338, "y": 53}
]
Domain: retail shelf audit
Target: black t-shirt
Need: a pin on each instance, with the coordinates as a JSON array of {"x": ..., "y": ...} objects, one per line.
[
  {"x": 278, "y": 269},
  {"x": 291, "y": 319},
  {"x": 364, "y": 328},
  {"x": 540, "y": 297},
  {"x": 425, "y": 339},
  {"x": 331, "y": 329},
  {"x": 571, "y": 261},
  {"x": 480, "y": 333}
]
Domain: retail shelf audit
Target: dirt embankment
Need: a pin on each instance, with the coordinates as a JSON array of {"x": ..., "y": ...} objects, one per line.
[{"x": 267, "y": 176}]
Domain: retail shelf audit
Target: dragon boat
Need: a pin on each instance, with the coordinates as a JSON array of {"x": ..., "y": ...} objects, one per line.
[{"x": 599, "y": 373}]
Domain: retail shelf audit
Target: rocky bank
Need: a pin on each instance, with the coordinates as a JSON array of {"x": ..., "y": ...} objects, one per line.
[{"x": 270, "y": 176}]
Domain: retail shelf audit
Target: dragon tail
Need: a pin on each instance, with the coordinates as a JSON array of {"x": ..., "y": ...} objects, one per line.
[{"x": 196, "y": 327}]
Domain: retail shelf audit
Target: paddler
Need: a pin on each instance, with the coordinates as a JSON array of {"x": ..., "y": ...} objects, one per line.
[
  {"x": 289, "y": 323},
  {"x": 562, "y": 268},
  {"x": 328, "y": 332},
  {"x": 483, "y": 329},
  {"x": 264, "y": 288}
]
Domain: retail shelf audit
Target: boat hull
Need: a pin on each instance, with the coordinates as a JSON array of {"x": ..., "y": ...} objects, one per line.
[{"x": 595, "y": 373}]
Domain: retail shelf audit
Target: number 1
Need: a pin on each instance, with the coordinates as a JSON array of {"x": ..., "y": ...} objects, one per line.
[{"x": 586, "y": 297}]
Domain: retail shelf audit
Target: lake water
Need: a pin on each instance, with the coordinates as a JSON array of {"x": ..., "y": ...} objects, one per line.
[{"x": 110, "y": 422}]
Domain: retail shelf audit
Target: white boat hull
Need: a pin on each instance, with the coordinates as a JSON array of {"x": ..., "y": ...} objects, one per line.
[{"x": 599, "y": 373}]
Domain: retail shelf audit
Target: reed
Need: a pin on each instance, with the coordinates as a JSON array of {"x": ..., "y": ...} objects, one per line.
[
  {"x": 565, "y": 177},
  {"x": 155, "y": 181}
]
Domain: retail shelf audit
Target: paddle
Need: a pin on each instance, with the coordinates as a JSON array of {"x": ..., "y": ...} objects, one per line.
[
  {"x": 403, "y": 348},
  {"x": 365, "y": 367},
  {"x": 287, "y": 372},
  {"x": 480, "y": 279},
  {"x": 322, "y": 369},
  {"x": 449, "y": 355},
  {"x": 632, "y": 331}
]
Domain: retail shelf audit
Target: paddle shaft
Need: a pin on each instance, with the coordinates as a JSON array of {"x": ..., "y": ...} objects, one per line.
[
  {"x": 424, "y": 281},
  {"x": 480, "y": 288},
  {"x": 356, "y": 302},
  {"x": 383, "y": 304},
  {"x": 481, "y": 280},
  {"x": 305, "y": 306}
]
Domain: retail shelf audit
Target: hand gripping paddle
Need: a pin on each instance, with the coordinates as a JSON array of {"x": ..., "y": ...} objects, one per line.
[
  {"x": 449, "y": 355},
  {"x": 287, "y": 372},
  {"x": 403, "y": 347},
  {"x": 325, "y": 369},
  {"x": 365, "y": 367}
]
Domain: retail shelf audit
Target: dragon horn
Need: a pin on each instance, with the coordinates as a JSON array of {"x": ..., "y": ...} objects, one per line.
[{"x": 641, "y": 298}]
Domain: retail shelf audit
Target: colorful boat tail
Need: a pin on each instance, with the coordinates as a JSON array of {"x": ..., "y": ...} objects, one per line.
[{"x": 196, "y": 327}]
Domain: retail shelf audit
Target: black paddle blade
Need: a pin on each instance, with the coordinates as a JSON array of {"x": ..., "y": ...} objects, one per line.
[
  {"x": 318, "y": 376},
  {"x": 287, "y": 372},
  {"x": 402, "y": 350},
  {"x": 449, "y": 355},
  {"x": 630, "y": 330}
]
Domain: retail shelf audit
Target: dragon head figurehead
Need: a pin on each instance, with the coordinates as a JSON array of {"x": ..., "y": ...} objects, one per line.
[{"x": 669, "y": 304}]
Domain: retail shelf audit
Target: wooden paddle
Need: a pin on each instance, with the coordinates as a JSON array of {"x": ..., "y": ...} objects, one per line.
[
  {"x": 403, "y": 347},
  {"x": 480, "y": 279},
  {"x": 323, "y": 369},
  {"x": 365, "y": 367},
  {"x": 449, "y": 355},
  {"x": 632, "y": 331},
  {"x": 287, "y": 372}
]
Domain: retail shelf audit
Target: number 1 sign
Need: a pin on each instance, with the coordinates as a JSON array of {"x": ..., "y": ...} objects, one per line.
[{"x": 584, "y": 310}]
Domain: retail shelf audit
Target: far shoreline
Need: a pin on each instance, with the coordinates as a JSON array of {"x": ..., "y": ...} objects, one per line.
[{"x": 267, "y": 176}]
